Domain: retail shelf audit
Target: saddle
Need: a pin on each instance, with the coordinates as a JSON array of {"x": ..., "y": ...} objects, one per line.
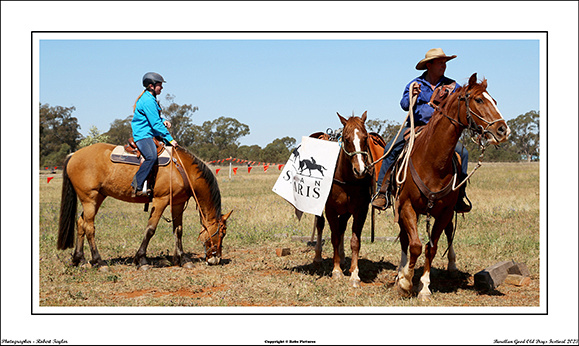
[
  {"x": 130, "y": 154},
  {"x": 441, "y": 93},
  {"x": 131, "y": 147}
]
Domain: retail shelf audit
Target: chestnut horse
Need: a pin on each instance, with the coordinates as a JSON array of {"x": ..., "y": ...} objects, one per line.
[
  {"x": 472, "y": 108},
  {"x": 349, "y": 196},
  {"x": 91, "y": 176}
]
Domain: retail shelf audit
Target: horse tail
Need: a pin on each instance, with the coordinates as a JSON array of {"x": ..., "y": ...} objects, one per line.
[{"x": 68, "y": 205}]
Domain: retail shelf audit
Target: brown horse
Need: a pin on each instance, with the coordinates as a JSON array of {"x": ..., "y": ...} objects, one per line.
[
  {"x": 91, "y": 176},
  {"x": 349, "y": 196},
  {"x": 472, "y": 108}
]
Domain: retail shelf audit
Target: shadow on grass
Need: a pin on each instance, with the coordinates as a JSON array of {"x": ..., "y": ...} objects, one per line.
[
  {"x": 441, "y": 280},
  {"x": 161, "y": 261},
  {"x": 369, "y": 270}
]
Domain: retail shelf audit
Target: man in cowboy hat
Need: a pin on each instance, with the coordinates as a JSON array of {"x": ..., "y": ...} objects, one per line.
[{"x": 432, "y": 87}]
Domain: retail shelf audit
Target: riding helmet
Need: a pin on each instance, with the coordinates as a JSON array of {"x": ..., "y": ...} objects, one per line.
[{"x": 152, "y": 78}]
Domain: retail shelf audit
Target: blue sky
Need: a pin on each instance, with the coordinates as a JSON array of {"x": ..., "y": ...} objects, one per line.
[{"x": 279, "y": 87}]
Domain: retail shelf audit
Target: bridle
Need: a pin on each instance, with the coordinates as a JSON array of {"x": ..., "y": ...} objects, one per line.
[
  {"x": 472, "y": 126},
  {"x": 204, "y": 222},
  {"x": 213, "y": 247}
]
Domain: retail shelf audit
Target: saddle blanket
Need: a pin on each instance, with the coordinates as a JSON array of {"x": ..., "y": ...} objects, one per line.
[
  {"x": 119, "y": 155},
  {"x": 307, "y": 177}
]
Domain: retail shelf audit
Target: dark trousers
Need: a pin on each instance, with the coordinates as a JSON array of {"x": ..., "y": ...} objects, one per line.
[
  {"x": 149, "y": 151},
  {"x": 399, "y": 145}
]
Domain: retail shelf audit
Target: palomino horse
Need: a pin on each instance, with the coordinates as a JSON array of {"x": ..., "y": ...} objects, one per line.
[
  {"x": 470, "y": 107},
  {"x": 350, "y": 196},
  {"x": 90, "y": 176}
]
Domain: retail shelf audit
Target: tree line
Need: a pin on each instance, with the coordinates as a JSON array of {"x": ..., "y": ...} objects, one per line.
[{"x": 219, "y": 138}]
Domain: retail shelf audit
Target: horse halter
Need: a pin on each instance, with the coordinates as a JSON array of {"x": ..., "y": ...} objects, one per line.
[{"x": 359, "y": 152}]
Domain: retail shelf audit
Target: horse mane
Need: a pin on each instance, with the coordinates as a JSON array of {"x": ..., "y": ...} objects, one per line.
[
  {"x": 209, "y": 177},
  {"x": 444, "y": 107}
]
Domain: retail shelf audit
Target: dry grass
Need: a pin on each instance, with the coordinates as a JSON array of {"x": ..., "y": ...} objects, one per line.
[{"x": 504, "y": 225}]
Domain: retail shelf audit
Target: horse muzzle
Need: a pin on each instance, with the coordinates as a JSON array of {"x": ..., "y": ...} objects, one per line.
[
  {"x": 213, "y": 260},
  {"x": 497, "y": 133}
]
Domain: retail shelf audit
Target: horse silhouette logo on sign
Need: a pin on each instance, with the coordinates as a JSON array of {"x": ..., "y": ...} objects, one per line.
[
  {"x": 295, "y": 154},
  {"x": 311, "y": 165},
  {"x": 305, "y": 182}
]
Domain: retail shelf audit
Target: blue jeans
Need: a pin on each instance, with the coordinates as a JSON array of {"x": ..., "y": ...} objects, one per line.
[
  {"x": 148, "y": 149},
  {"x": 399, "y": 145}
]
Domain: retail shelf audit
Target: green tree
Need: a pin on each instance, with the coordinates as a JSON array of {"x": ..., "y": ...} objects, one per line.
[
  {"x": 223, "y": 133},
  {"x": 386, "y": 128},
  {"x": 251, "y": 153},
  {"x": 180, "y": 118},
  {"x": 525, "y": 135},
  {"x": 279, "y": 150},
  {"x": 56, "y": 158},
  {"x": 120, "y": 131},
  {"x": 57, "y": 127},
  {"x": 94, "y": 136}
]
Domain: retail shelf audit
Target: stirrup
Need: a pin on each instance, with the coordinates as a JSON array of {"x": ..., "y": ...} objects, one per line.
[
  {"x": 386, "y": 199},
  {"x": 468, "y": 207}
]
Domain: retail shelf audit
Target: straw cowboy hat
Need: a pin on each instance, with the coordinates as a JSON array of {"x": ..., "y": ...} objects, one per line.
[{"x": 432, "y": 54}]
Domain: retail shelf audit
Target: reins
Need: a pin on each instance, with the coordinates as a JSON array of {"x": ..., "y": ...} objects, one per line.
[
  {"x": 411, "y": 140},
  {"x": 203, "y": 218}
]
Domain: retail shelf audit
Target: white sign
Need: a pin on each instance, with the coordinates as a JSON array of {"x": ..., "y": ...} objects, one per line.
[{"x": 306, "y": 179}]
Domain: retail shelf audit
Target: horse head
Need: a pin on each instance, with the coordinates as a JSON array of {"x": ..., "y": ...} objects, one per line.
[
  {"x": 212, "y": 237},
  {"x": 354, "y": 143},
  {"x": 482, "y": 113}
]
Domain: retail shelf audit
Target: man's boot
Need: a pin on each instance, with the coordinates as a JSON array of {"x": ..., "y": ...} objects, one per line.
[
  {"x": 461, "y": 205},
  {"x": 380, "y": 200}
]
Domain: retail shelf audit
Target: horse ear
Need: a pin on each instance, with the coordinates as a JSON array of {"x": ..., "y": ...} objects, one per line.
[
  {"x": 226, "y": 216},
  {"x": 364, "y": 116},
  {"x": 342, "y": 119},
  {"x": 484, "y": 84},
  {"x": 472, "y": 80}
]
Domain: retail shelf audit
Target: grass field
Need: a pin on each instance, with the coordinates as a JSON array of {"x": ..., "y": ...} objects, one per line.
[{"x": 503, "y": 225}]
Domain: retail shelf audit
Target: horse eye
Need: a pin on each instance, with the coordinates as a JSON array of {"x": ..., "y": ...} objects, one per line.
[{"x": 478, "y": 100}]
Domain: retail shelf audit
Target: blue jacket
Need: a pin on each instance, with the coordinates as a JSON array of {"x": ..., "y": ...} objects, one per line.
[
  {"x": 422, "y": 110},
  {"x": 147, "y": 121}
]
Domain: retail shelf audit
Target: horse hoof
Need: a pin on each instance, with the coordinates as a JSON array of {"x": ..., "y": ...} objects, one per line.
[
  {"x": 165, "y": 263},
  {"x": 337, "y": 275},
  {"x": 355, "y": 283},
  {"x": 188, "y": 265},
  {"x": 424, "y": 297},
  {"x": 402, "y": 292},
  {"x": 144, "y": 267}
]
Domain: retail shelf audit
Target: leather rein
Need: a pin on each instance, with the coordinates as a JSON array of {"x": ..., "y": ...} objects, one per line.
[{"x": 180, "y": 167}]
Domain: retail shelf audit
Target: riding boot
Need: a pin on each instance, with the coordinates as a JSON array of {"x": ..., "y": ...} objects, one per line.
[
  {"x": 461, "y": 205},
  {"x": 381, "y": 200}
]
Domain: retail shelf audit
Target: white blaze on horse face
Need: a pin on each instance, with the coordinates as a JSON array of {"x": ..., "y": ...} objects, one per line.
[
  {"x": 488, "y": 97},
  {"x": 358, "y": 148}
]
